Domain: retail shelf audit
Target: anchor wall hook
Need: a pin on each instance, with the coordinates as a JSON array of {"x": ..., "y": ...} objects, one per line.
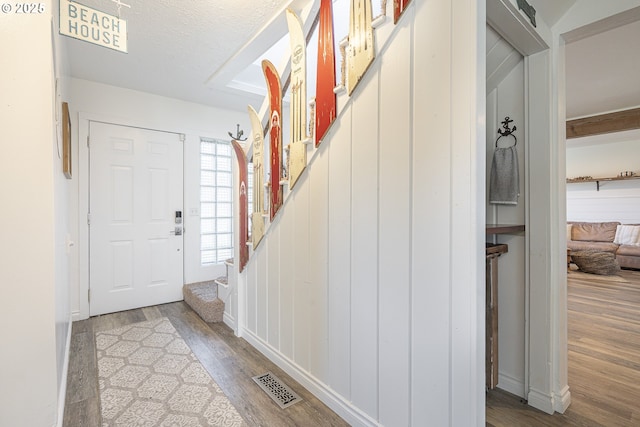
[
  {"x": 239, "y": 134},
  {"x": 507, "y": 131}
]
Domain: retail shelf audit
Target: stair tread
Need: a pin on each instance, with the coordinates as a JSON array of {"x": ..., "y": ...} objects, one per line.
[
  {"x": 203, "y": 299},
  {"x": 205, "y": 291}
]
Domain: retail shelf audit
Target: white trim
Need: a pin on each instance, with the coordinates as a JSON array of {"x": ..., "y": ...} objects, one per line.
[
  {"x": 229, "y": 320},
  {"x": 515, "y": 27},
  {"x": 511, "y": 384},
  {"x": 541, "y": 401},
  {"x": 333, "y": 400},
  {"x": 562, "y": 401},
  {"x": 62, "y": 392},
  {"x": 239, "y": 300}
]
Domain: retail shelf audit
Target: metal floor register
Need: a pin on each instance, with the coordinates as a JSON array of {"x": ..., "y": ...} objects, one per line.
[{"x": 277, "y": 390}]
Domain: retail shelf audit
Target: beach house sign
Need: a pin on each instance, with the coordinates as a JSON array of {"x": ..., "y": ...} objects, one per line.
[{"x": 84, "y": 23}]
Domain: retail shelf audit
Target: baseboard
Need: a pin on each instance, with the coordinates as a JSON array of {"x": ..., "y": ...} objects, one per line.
[
  {"x": 562, "y": 400},
  {"x": 76, "y": 315},
  {"x": 541, "y": 401},
  {"x": 229, "y": 320},
  {"x": 62, "y": 392},
  {"x": 511, "y": 385},
  {"x": 336, "y": 402}
]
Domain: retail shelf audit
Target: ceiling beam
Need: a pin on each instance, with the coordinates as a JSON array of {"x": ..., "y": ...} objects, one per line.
[{"x": 604, "y": 123}]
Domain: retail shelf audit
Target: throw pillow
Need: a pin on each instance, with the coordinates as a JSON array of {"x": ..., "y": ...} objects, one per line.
[
  {"x": 627, "y": 235},
  {"x": 569, "y": 231}
]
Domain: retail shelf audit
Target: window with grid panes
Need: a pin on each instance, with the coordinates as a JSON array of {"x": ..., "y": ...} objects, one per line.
[{"x": 216, "y": 201}]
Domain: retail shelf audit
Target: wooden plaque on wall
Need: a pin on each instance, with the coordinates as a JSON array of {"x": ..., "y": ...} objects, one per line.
[{"x": 66, "y": 141}]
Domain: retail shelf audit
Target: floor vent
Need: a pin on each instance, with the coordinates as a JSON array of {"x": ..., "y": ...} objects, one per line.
[{"x": 280, "y": 393}]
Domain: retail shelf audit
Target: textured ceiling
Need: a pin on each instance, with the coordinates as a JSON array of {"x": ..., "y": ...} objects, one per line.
[
  {"x": 203, "y": 50},
  {"x": 175, "y": 47}
]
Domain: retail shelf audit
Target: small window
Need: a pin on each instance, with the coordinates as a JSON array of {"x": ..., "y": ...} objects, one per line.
[{"x": 216, "y": 201}]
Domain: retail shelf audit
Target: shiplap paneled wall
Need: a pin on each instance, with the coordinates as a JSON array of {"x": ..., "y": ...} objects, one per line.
[
  {"x": 616, "y": 201},
  {"x": 366, "y": 286},
  {"x": 600, "y": 157}
]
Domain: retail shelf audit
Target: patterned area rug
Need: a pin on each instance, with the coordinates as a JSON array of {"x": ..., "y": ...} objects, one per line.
[{"x": 148, "y": 376}]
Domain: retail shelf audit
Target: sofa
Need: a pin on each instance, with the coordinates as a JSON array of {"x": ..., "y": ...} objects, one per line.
[{"x": 623, "y": 240}]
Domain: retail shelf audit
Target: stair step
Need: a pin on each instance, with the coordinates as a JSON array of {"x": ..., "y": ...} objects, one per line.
[
  {"x": 222, "y": 281},
  {"x": 203, "y": 299}
]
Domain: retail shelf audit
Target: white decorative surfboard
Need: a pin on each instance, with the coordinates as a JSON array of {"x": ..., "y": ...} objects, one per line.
[
  {"x": 298, "y": 107},
  {"x": 360, "y": 51},
  {"x": 257, "y": 136}
]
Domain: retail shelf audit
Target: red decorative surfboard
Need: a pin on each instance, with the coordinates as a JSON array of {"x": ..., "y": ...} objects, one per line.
[
  {"x": 275, "y": 121},
  {"x": 257, "y": 136},
  {"x": 297, "y": 148},
  {"x": 398, "y": 7},
  {"x": 326, "y": 74},
  {"x": 360, "y": 51},
  {"x": 243, "y": 235}
]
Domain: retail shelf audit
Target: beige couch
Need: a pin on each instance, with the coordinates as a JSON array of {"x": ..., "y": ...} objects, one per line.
[{"x": 623, "y": 240}]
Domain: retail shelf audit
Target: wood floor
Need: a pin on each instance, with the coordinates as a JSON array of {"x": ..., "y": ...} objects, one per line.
[
  {"x": 231, "y": 361},
  {"x": 604, "y": 364},
  {"x": 604, "y": 358}
]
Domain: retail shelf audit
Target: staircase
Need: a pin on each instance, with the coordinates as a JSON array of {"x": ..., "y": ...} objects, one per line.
[{"x": 202, "y": 297}]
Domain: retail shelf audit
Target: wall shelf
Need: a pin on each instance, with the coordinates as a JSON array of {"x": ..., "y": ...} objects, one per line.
[
  {"x": 492, "y": 229},
  {"x": 599, "y": 180}
]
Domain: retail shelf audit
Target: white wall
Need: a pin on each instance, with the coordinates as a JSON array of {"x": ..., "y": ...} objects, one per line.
[
  {"x": 600, "y": 157},
  {"x": 65, "y": 247},
  {"x": 95, "y": 101},
  {"x": 508, "y": 100},
  {"x": 369, "y": 286},
  {"x": 29, "y": 280}
]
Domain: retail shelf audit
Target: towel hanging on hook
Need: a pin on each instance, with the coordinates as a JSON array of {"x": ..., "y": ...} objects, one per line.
[
  {"x": 504, "y": 181},
  {"x": 507, "y": 131}
]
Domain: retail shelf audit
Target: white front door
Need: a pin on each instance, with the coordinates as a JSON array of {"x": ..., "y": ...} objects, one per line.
[{"x": 135, "y": 192}]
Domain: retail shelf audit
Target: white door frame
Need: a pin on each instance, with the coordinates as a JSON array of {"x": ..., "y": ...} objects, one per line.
[
  {"x": 546, "y": 377},
  {"x": 84, "y": 120}
]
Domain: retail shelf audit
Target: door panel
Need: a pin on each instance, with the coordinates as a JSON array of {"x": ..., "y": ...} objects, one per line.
[{"x": 135, "y": 189}]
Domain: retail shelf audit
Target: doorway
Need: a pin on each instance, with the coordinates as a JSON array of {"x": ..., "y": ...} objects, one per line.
[
  {"x": 544, "y": 370},
  {"x": 135, "y": 217}
]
